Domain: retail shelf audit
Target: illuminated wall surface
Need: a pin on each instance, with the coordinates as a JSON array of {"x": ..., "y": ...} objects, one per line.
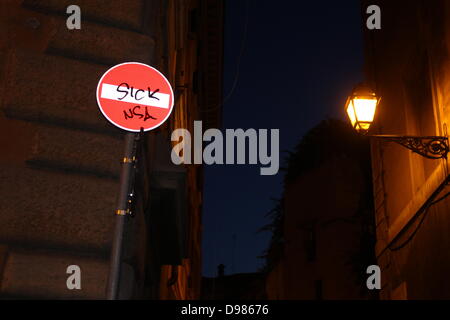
[
  {"x": 61, "y": 160},
  {"x": 408, "y": 62}
]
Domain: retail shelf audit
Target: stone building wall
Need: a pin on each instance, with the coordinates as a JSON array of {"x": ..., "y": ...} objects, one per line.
[
  {"x": 407, "y": 63},
  {"x": 60, "y": 158}
]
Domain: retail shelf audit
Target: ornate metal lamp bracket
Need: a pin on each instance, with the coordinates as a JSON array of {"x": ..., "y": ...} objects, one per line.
[{"x": 431, "y": 147}]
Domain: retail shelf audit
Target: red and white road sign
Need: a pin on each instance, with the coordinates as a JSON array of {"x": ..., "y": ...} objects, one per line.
[{"x": 134, "y": 95}]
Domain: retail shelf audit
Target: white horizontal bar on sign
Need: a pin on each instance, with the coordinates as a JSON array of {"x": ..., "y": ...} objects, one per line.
[{"x": 158, "y": 100}]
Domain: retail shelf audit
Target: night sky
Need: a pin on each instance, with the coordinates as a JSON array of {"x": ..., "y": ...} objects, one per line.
[{"x": 300, "y": 62}]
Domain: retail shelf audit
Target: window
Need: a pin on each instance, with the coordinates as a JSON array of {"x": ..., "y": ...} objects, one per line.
[
  {"x": 319, "y": 290},
  {"x": 311, "y": 243},
  {"x": 193, "y": 21}
]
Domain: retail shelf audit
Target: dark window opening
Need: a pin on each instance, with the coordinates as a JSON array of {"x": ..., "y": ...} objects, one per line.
[
  {"x": 195, "y": 82},
  {"x": 311, "y": 247},
  {"x": 319, "y": 290},
  {"x": 193, "y": 21}
]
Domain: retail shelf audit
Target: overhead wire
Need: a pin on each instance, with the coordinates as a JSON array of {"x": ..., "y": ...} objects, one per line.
[
  {"x": 239, "y": 60},
  {"x": 424, "y": 213}
]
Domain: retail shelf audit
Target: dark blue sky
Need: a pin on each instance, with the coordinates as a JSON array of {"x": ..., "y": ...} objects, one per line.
[{"x": 301, "y": 59}]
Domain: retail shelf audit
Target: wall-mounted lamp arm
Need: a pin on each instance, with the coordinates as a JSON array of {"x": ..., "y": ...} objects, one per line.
[{"x": 431, "y": 147}]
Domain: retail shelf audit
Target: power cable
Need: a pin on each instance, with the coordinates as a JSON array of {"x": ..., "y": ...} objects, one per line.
[
  {"x": 238, "y": 65},
  {"x": 425, "y": 213}
]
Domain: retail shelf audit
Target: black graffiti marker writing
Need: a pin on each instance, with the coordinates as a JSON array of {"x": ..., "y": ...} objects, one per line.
[
  {"x": 137, "y": 94},
  {"x": 150, "y": 93},
  {"x": 123, "y": 91},
  {"x": 136, "y": 111},
  {"x": 148, "y": 116}
]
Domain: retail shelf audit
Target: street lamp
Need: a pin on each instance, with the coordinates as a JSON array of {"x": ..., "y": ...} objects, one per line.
[{"x": 361, "y": 107}]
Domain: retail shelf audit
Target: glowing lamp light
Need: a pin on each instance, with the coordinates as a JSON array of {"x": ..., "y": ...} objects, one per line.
[{"x": 361, "y": 107}]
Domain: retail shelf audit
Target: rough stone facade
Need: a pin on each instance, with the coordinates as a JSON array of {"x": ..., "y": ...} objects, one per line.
[{"x": 60, "y": 161}]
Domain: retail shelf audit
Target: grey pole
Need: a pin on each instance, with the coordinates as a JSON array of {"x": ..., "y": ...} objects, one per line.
[{"x": 122, "y": 207}]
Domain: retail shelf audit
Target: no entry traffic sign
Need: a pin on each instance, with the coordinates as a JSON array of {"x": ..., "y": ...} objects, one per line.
[{"x": 135, "y": 96}]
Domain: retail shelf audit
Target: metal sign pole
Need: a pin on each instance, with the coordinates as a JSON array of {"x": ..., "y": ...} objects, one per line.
[
  {"x": 122, "y": 210},
  {"x": 116, "y": 110}
]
